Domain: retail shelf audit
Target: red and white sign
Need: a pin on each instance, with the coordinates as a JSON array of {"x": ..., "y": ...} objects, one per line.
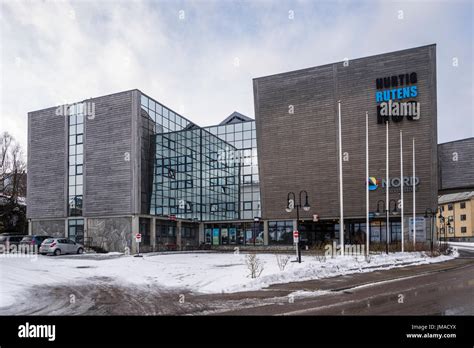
[
  {"x": 138, "y": 238},
  {"x": 296, "y": 236}
]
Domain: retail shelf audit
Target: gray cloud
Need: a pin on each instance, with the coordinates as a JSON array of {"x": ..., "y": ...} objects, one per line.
[{"x": 55, "y": 52}]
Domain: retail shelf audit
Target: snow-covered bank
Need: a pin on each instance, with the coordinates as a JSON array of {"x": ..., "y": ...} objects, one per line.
[
  {"x": 197, "y": 272},
  {"x": 462, "y": 245}
]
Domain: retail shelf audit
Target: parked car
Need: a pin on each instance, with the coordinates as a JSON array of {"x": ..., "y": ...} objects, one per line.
[
  {"x": 10, "y": 242},
  {"x": 32, "y": 241},
  {"x": 60, "y": 246}
]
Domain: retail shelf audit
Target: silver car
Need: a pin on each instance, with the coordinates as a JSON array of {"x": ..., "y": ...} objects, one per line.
[{"x": 60, "y": 246}]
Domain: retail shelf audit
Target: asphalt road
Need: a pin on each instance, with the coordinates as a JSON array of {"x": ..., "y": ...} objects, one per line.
[{"x": 439, "y": 289}]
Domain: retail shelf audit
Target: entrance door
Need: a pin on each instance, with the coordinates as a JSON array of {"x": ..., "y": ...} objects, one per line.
[{"x": 76, "y": 230}]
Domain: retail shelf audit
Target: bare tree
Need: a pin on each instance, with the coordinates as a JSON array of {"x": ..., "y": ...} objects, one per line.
[
  {"x": 254, "y": 264},
  {"x": 282, "y": 261},
  {"x": 12, "y": 168}
]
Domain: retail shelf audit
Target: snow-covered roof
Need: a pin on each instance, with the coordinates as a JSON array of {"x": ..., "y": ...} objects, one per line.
[{"x": 455, "y": 197}]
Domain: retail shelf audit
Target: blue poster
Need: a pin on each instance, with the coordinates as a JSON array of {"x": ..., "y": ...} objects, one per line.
[
  {"x": 233, "y": 235},
  {"x": 215, "y": 236}
]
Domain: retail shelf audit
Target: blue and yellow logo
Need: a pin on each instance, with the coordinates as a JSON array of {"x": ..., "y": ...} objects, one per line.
[{"x": 372, "y": 183}]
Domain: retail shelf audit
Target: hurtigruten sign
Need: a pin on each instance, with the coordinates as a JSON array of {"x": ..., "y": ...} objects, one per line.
[{"x": 395, "y": 98}]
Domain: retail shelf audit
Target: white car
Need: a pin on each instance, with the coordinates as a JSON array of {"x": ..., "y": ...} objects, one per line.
[{"x": 60, "y": 246}]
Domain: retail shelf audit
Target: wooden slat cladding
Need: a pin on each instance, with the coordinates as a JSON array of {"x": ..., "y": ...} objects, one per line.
[
  {"x": 456, "y": 165},
  {"x": 47, "y": 158},
  {"x": 108, "y": 156},
  {"x": 300, "y": 151}
]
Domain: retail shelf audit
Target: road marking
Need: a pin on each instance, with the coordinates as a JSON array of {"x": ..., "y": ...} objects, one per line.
[{"x": 315, "y": 309}]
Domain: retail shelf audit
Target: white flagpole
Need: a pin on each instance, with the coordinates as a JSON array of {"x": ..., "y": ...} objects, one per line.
[
  {"x": 341, "y": 202},
  {"x": 387, "y": 188},
  {"x": 401, "y": 188},
  {"x": 414, "y": 199},
  {"x": 367, "y": 225}
]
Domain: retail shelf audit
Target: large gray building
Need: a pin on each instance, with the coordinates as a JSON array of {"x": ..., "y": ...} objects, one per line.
[
  {"x": 297, "y": 130},
  {"x": 106, "y": 168}
]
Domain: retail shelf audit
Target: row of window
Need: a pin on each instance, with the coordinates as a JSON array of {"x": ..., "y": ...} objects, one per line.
[
  {"x": 462, "y": 205},
  {"x": 451, "y": 230},
  {"x": 232, "y": 128},
  {"x": 76, "y": 162}
]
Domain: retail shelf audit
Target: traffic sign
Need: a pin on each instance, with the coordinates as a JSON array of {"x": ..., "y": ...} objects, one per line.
[
  {"x": 138, "y": 238},
  {"x": 296, "y": 236}
]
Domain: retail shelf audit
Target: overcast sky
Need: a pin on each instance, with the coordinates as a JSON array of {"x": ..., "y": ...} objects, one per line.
[{"x": 199, "y": 57}]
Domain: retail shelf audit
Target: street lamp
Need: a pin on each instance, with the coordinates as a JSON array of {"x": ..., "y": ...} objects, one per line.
[
  {"x": 432, "y": 215},
  {"x": 446, "y": 224},
  {"x": 387, "y": 211},
  {"x": 256, "y": 220},
  {"x": 289, "y": 208}
]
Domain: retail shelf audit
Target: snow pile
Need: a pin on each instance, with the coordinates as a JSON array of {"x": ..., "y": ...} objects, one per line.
[
  {"x": 197, "y": 272},
  {"x": 462, "y": 245}
]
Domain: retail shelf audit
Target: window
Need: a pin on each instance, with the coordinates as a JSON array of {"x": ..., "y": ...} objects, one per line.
[
  {"x": 247, "y": 179},
  {"x": 79, "y": 169},
  {"x": 463, "y": 217},
  {"x": 230, "y": 206},
  {"x": 214, "y": 207},
  {"x": 463, "y": 229},
  {"x": 463, "y": 205},
  {"x": 280, "y": 232},
  {"x": 248, "y": 205},
  {"x": 76, "y": 230},
  {"x": 450, "y": 206}
]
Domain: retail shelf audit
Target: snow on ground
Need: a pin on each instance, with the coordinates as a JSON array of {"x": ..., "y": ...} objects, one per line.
[
  {"x": 462, "y": 245},
  {"x": 197, "y": 272}
]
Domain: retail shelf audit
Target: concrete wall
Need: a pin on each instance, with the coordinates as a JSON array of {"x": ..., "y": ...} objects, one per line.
[
  {"x": 112, "y": 234},
  {"x": 300, "y": 151},
  {"x": 456, "y": 165},
  {"x": 55, "y": 228},
  {"x": 47, "y": 165}
]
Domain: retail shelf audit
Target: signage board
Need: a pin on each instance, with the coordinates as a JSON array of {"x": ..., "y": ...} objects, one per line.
[{"x": 420, "y": 225}]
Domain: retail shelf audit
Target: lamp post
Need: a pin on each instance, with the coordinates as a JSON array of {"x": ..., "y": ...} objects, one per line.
[
  {"x": 386, "y": 209},
  {"x": 431, "y": 214},
  {"x": 256, "y": 220},
  {"x": 289, "y": 208},
  {"x": 446, "y": 224}
]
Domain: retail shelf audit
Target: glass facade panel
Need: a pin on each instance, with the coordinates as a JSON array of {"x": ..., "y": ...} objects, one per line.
[
  {"x": 243, "y": 137},
  {"x": 76, "y": 161},
  {"x": 280, "y": 232},
  {"x": 191, "y": 172}
]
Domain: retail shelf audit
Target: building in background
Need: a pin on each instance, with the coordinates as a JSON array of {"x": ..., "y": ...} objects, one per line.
[
  {"x": 456, "y": 166},
  {"x": 457, "y": 210}
]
